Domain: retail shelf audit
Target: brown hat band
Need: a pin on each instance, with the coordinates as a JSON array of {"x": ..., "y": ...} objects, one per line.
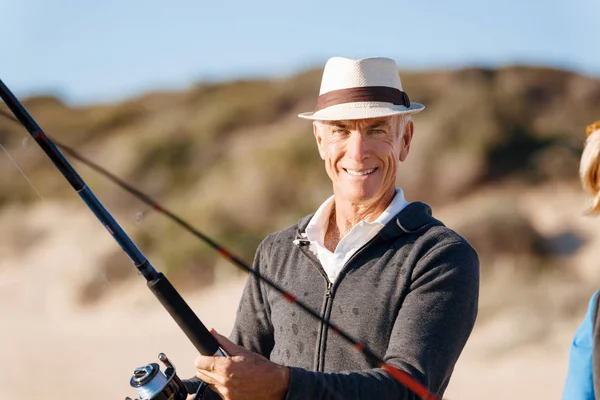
[{"x": 384, "y": 94}]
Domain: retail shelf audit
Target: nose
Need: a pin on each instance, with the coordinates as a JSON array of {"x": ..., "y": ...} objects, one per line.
[{"x": 357, "y": 147}]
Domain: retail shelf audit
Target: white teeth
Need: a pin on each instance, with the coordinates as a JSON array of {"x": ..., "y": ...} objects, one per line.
[{"x": 360, "y": 173}]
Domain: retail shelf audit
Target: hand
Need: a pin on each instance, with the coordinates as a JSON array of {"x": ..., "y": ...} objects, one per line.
[{"x": 243, "y": 375}]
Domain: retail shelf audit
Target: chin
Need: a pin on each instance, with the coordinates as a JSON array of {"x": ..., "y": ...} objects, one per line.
[{"x": 361, "y": 195}]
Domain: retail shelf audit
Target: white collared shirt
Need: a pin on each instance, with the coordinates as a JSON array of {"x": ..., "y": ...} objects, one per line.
[{"x": 358, "y": 236}]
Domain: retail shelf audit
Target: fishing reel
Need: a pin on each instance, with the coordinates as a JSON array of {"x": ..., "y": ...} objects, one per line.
[{"x": 152, "y": 384}]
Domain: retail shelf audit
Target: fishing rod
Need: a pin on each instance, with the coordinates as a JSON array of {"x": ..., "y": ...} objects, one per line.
[
  {"x": 402, "y": 377},
  {"x": 149, "y": 381}
]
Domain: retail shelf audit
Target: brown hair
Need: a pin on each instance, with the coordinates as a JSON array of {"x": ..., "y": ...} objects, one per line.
[{"x": 589, "y": 169}]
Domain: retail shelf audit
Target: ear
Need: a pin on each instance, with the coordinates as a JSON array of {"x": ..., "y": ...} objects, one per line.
[
  {"x": 407, "y": 136},
  {"x": 319, "y": 139}
]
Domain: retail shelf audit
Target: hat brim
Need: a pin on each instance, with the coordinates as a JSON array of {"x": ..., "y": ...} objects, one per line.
[{"x": 363, "y": 110}]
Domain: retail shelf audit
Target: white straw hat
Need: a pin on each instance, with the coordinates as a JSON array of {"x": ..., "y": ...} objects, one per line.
[{"x": 360, "y": 89}]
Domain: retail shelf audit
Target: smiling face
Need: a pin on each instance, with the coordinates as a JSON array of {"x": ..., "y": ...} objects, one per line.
[{"x": 361, "y": 156}]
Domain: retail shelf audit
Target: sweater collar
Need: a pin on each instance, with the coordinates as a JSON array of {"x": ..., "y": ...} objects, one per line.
[{"x": 413, "y": 217}]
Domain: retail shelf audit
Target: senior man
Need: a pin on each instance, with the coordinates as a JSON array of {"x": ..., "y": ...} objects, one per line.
[{"x": 381, "y": 268}]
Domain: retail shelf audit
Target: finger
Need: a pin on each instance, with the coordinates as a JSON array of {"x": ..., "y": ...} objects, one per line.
[
  {"x": 208, "y": 377},
  {"x": 206, "y": 363},
  {"x": 230, "y": 348}
]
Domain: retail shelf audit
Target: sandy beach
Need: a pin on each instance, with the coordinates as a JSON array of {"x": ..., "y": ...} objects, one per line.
[
  {"x": 54, "y": 348},
  {"x": 93, "y": 354}
]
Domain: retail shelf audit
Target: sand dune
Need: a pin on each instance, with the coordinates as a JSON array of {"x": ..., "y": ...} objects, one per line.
[{"x": 54, "y": 348}]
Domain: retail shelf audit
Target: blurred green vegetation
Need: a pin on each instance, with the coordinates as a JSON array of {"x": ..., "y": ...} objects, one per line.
[{"x": 235, "y": 161}]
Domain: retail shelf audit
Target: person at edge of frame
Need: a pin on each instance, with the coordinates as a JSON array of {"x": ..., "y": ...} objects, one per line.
[
  {"x": 583, "y": 377},
  {"x": 382, "y": 268}
]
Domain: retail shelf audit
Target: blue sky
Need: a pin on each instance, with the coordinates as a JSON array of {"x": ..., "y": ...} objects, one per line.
[{"x": 91, "y": 51}]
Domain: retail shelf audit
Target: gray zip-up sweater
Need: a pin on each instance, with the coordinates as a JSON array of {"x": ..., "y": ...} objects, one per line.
[{"x": 410, "y": 294}]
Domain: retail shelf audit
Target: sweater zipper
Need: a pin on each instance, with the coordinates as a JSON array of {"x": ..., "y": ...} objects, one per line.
[
  {"x": 323, "y": 330},
  {"x": 327, "y": 313},
  {"x": 320, "y": 356},
  {"x": 326, "y": 301}
]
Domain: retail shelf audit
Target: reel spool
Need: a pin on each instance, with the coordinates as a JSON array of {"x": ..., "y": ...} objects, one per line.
[{"x": 152, "y": 384}]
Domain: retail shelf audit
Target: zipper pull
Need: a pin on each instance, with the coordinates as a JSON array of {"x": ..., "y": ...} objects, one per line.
[
  {"x": 328, "y": 292},
  {"x": 301, "y": 242}
]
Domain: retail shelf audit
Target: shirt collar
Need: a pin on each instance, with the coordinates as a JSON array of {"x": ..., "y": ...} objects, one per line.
[
  {"x": 316, "y": 228},
  {"x": 398, "y": 203}
]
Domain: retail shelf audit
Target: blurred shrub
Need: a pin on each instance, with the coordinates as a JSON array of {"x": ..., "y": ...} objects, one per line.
[
  {"x": 233, "y": 159},
  {"x": 496, "y": 226}
]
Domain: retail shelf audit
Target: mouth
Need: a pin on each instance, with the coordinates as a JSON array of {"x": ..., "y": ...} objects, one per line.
[{"x": 363, "y": 172}]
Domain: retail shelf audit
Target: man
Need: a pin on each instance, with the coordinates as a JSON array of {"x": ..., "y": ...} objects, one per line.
[{"x": 385, "y": 271}]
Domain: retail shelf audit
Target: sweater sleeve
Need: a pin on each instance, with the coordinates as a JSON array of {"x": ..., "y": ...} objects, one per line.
[
  {"x": 434, "y": 321},
  {"x": 253, "y": 328},
  {"x": 579, "y": 382}
]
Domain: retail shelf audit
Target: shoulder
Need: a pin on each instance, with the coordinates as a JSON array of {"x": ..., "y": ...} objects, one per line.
[
  {"x": 443, "y": 240},
  {"x": 284, "y": 239},
  {"x": 416, "y": 225},
  {"x": 583, "y": 338},
  {"x": 583, "y": 335}
]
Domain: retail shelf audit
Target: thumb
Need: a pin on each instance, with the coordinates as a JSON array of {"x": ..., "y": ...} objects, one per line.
[{"x": 230, "y": 348}]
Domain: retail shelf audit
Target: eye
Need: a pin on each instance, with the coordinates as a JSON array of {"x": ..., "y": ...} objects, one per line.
[
  {"x": 340, "y": 131},
  {"x": 377, "y": 132}
]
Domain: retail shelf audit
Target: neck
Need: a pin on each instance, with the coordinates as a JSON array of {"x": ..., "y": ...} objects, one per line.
[{"x": 346, "y": 214}]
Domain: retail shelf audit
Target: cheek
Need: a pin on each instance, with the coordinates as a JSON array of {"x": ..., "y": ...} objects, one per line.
[
  {"x": 330, "y": 162},
  {"x": 389, "y": 152},
  {"x": 332, "y": 153}
]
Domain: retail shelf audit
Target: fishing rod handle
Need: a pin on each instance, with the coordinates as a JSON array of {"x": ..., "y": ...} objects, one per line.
[{"x": 189, "y": 323}]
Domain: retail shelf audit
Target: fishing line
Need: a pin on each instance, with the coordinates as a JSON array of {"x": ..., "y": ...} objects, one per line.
[
  {"x": 404, "y": 378},
  {"x": 21, "y": 171}
]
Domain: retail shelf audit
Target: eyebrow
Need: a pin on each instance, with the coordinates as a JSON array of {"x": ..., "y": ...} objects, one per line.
[
  {"x": 341, "y": 124},
  {"x": 338, "y": 124},
  {"x": 378, "y": 124}
]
